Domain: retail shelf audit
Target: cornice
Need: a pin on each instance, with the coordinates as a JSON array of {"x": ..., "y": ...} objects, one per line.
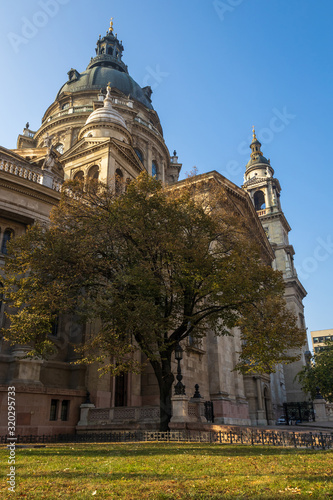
[
  {"x": 93, "y": 146},
  {"x": 294, "y": 282},
  {"x": 69, "y": 118},
  {"x": 150, "y": 133},
  {"x": 32, "y": 190},
  {"x": 241, "y": 195},
  {"x": 123, "y": 151},
  {"x": 277, "y": 215}
]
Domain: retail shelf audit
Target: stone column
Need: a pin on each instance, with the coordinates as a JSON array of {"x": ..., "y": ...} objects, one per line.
[
  {"x": 261, "y": 417},
  {"x": 84, "y": 413},
  {"x": 179, "y": 410},
  {"x": 47, "y": 179},
  {"x": 319, "y": 406},
  {"x": 200, "y": 409}
]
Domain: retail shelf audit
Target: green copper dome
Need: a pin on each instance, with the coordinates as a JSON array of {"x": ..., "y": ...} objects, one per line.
[{"x": 107, "y": 68}]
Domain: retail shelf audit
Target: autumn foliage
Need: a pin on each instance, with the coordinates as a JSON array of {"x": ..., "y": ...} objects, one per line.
[{"x": 149, "y": 267}]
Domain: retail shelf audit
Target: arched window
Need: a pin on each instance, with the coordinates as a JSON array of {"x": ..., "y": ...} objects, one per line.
[
  {"x": 59, "y": 147},
  {"x": 119, "y": 181},
  {"x": 93, "y": 173},
  {"x": 139, "y": 154},
  {"x": 110, "y": 51},
  {"x": 154, "y": 169},
  {"x": 259, "y": 200},
  {"x": 7, "y": 235},
  {"x": 79, "y": 176},
  {"x": 55, "y": 326}
]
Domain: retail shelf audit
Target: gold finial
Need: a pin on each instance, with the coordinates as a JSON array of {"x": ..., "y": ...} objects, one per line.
[
  {"x": 109, "y": 86},
  {"x": 254, "y": 133},
  {"x": 111, "y": 25}
]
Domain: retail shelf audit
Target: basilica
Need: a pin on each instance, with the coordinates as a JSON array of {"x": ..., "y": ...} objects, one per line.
[{"x": 102, "y": 125}]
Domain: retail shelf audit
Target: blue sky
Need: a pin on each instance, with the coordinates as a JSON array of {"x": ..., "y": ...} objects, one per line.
[{"x": 217, "y": 68}]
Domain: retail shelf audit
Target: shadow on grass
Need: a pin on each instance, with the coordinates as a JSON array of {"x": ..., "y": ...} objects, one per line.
[
  {"x": 94, "y": 450},
  {"x": 177, "y": 475}
]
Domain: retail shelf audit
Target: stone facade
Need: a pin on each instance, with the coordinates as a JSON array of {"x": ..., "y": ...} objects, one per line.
[
  {"x": 264, "y": 191},
  {"x": 102, "y": 125}
]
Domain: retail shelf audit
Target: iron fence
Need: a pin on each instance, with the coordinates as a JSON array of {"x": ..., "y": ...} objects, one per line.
[{"x": 251, "y": 437}]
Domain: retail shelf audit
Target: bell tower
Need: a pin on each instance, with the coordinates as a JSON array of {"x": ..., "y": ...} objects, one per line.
[{"x": 264, "y": 190}]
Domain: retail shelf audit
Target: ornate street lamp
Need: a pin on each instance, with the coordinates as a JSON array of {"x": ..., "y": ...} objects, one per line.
[{"x": 179, "y": 387}]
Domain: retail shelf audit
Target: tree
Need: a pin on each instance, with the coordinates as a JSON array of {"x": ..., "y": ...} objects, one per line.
[
  {"x": 317, "y": 375},
  {"x": 150, "y": 268}
]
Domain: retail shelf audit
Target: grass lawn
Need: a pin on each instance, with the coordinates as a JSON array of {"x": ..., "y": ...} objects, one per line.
[{"x": 168, "y": 471}]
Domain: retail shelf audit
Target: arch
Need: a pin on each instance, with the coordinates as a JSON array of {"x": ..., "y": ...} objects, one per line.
[
  {"x": 139, "y": 154},
  {"x": 119, "y": 181},
  {"x": 93, "y": 173},
  {"x": 259, "y": 200},
  {"x": 79, "y": 176},
  {"x": 154, "y": 169},
  {"x": 110, "y": 50},
  {"x": 7, "y": 235}
]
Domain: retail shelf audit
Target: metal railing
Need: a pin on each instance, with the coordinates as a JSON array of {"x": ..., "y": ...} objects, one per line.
[{"x": 252, "y": 437}]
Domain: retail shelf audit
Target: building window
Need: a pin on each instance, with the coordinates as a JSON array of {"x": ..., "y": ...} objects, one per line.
[
  {"x": 79, "y": 176},
  {"x": 139, "y": 154},
  {"x": 121, "y": 390},
  {"x": 60, "y": 148},
  {"x": 259, "y": 200},
  {"x": 65, "y": 106},
  {"x": 7, "y": 235},
  {"x": 315, "y": 340},
  {"x": 54, "y": 409},
  {"x": 64, "y": 410},
  {"x": 119, "y": 181},
  {"x": 154, "y": 169},
  {"x": 93, "y": 173},
  {"x": 110, "y": 51}
]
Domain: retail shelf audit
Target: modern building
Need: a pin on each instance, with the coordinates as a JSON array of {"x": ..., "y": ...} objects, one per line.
[
  {"x": 102, "y": 125},
  {"x": 319, "y": 337}
]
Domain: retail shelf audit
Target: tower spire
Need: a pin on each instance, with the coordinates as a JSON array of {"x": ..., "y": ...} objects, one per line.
[
  {"x": 255, "y": 146},
  {"x": 111, "y": 25}
]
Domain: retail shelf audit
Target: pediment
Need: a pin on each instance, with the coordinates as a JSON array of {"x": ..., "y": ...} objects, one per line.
[
  {"x": 85, "y": 145},
  {"x": 129, "y": 153}
]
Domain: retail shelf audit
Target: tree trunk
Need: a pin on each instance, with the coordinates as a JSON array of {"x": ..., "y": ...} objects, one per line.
[
  {"x": 165, "y": 380},
  {"x": 165, "y": 402}
]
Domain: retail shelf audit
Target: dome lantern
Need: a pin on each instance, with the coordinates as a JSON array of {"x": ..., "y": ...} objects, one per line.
[{"x": 109, "y": 52}]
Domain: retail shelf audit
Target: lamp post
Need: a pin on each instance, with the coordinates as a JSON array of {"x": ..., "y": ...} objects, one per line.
[{"x": 179, "y": 387}]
